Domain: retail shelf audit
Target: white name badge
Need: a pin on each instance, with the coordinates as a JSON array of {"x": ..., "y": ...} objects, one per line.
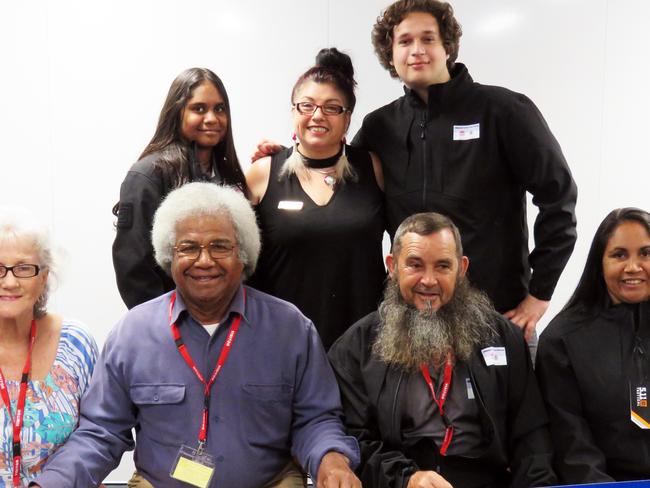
[
  {"x": 467, "y": 132},
  {"x": 289, "y": 205},
  {"x": 495, "y": 356}
]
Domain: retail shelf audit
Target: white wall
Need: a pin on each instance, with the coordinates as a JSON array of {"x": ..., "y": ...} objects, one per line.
[{"x": 82, "y": 84}]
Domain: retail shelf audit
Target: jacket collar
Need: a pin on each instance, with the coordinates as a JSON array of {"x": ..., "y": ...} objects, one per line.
[
  {"x": 442, "y": 95},
  {"x": 196, "y": 173}
]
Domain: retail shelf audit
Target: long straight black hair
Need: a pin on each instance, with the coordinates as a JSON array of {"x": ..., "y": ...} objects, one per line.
[
  {"x": 591, "y": 293},
  {"x": 176, "y": 154}
]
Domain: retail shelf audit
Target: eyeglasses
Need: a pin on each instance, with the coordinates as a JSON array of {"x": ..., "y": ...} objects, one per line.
[
  {"x": 193, "y": 250},
  {"x": 309, "y": 108},
  {"x": 20, "y": 270}
]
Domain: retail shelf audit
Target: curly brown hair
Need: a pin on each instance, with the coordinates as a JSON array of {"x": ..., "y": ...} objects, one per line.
[{"x": 382, "y": 31}]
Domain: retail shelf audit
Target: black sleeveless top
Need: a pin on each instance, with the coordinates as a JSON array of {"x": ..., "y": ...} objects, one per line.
[{"x": 326, "y": 260}]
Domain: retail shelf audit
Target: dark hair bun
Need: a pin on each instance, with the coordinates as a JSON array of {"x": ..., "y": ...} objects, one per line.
[{"x": 332, "y": 58}]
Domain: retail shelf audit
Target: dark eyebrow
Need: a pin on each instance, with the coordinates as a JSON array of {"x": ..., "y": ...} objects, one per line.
[{"x": 413, "y": 257}]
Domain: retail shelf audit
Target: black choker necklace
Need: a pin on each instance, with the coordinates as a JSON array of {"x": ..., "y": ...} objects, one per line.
[{"x": 321, "y": 163}]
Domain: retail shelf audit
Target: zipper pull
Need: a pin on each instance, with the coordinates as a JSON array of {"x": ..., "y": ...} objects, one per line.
[
  {"x": 423, "y": 126},
  {"x": 639, "y": 358}
]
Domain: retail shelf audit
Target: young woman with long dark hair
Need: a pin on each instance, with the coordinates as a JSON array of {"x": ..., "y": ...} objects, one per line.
[{"x": 193, "y": 142}]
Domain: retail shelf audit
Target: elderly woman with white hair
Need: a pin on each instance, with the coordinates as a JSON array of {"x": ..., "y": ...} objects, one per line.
[
  {"x": 46, "y": 360},
  {"x": 215, "y": 377}
]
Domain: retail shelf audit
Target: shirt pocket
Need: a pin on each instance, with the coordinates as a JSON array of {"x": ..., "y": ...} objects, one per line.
[
  {"x": 157, "y": 394},
  {"x": 161, "y": 413},
  {"x": 271, "y": 414}
]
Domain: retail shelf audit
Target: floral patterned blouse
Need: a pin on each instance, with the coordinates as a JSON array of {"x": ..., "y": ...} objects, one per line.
[{"x": 52, "y": 404}]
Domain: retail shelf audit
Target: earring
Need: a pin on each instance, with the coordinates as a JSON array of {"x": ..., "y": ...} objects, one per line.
[{"x": 294, "y": 138}]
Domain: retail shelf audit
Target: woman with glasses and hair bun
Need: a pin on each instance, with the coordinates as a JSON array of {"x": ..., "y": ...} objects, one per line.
[
  {"x": 45, "y": 360},
  {"x": 320, "y": 207},
  {"x": 193, "y": 142},
  {"x": 593, "y": 359}
]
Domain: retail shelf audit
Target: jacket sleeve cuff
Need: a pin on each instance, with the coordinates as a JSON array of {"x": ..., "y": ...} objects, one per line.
[
  {"x": 541, "y": 291},
  {"x": 347, "y": 446},
  {"x": 51, "y": 479}
]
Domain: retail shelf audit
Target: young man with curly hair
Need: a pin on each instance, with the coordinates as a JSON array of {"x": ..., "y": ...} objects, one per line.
[{"x": 471, "y": 152}]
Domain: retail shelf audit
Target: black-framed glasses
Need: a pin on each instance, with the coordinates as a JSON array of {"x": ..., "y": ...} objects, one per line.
[
  {"x": 309, "y": 108},
  {"x": 20, "y": 270},
  {"x": 193, "y": 250}
]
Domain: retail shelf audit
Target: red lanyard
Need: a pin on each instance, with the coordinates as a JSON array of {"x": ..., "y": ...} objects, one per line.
[
  {"x": 444, "y": 391},
  {"x": 225, "y": 350},
  {"x": 17, "y": 421}
]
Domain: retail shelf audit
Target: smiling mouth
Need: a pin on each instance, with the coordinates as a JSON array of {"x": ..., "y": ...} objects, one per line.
[
  {"x": 428, "y": 295},
  {"x": 633, "y": 281},
  {"x": 204, "y": 279},
  {"x": 318, "y": 129}
]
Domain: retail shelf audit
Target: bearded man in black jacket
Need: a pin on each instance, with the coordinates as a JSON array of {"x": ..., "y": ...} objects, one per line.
[{"x": 437, "y": 386}]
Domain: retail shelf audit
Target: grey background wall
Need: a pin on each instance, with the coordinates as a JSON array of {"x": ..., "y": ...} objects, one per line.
[{"x": 82, "y": 83}]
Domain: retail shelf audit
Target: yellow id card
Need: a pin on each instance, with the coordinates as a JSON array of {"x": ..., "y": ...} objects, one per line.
[{"x": 193, "y": 468}]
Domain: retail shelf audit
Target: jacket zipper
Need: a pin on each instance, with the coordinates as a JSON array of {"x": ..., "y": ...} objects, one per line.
[
  {"x": 479, "y": 397},
  {"x": 423, "y": 126},
  {"x": 395, "y": 432}
]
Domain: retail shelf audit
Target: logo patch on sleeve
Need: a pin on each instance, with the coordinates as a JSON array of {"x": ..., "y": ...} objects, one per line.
[{"x": 125, "y": 216}]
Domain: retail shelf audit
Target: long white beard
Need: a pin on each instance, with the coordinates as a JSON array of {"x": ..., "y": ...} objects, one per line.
[{"x": 408, "y": 337}]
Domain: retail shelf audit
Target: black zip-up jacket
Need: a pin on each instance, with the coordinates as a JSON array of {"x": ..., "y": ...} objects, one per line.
[
  {"x": 480, "y": 180},
  {"x": 517, "y": 451},
  {"x": 139, "y": 278},
  {"x": 585, "y": 364}
]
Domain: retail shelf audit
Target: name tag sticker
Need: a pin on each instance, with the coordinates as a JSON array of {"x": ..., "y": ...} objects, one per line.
[
  {"x": 289, "y": 205},
  {"x": 193, "y": 467},
  {"x": 495, "y": 356},
  {"x": 467, "y": 132}
]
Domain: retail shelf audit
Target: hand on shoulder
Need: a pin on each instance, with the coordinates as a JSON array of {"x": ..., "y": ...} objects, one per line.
[{"x": 265, "y": 147}]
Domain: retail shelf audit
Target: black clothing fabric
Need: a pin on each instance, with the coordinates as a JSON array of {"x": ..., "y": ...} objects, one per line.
[
  {"x": 584, "y": 364},
  {"x": 421, "y": 417},
  {"x": 480, "y": 182},
  {"x": 517, "y": 452},
  {"x": 139, "y": 278},
  {"x": 326, "y": 260}
]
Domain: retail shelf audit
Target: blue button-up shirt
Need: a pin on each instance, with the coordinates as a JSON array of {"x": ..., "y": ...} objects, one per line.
[{"x": 275, "y": 397}]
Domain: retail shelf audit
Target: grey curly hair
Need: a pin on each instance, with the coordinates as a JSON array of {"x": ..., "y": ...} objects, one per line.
[{"x": 199, "y": 198}]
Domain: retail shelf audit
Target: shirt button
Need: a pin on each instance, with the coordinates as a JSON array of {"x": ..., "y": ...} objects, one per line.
[{"x": 156, "y": 398}]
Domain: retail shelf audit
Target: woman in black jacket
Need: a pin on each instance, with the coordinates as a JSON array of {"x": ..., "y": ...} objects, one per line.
[
  {"x": 193, "y": 142},
  {"x": 593, "y": 362}
]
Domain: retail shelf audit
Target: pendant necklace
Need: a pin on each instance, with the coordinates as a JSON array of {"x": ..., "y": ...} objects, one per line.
[
  {"x": 325, "y": 167},
  {"x": 328, "y": 175}
]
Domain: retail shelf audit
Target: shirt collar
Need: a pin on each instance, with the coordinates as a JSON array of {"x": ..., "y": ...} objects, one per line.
[{"x": 237, "y": 305}]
